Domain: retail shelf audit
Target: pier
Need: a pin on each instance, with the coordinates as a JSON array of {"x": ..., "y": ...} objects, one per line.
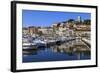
[{"x": 87, "y": 42}]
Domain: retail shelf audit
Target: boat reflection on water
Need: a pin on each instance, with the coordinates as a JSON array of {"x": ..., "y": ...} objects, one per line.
[{"x": 71, "y": 50}]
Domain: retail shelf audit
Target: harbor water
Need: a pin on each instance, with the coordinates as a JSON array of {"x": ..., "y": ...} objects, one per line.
[{"x": 67, "y": 51}]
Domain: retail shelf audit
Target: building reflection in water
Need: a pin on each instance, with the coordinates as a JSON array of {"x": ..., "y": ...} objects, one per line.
[
  {"x": 71, "y": 48},
  {"x": 75, "y": 46}
]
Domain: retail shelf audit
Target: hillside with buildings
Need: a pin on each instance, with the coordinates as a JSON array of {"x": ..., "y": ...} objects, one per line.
[{"x": 65, "y": 28}]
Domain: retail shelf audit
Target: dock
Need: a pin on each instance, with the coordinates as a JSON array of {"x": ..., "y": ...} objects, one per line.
[{"x": 87, "y": 42}]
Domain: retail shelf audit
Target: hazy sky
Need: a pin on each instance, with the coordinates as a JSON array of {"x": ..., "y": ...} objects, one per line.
[{"x": 47, "y": 18}]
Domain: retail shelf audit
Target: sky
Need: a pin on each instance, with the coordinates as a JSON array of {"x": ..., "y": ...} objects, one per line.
[{"x": 47, "y": 18}]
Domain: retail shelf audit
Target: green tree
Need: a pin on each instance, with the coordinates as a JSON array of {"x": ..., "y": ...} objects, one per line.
[
  {"x": 87, "y": 22},
  {"x": 71, "y": 21},
  {"x": 40, "y": 33}
]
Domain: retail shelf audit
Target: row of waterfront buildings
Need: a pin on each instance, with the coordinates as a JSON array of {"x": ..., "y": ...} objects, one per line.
[{"x": 60, "y": 29}]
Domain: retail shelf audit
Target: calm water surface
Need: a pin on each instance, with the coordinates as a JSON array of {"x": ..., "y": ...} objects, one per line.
[{"x": 57, "y": 53}]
